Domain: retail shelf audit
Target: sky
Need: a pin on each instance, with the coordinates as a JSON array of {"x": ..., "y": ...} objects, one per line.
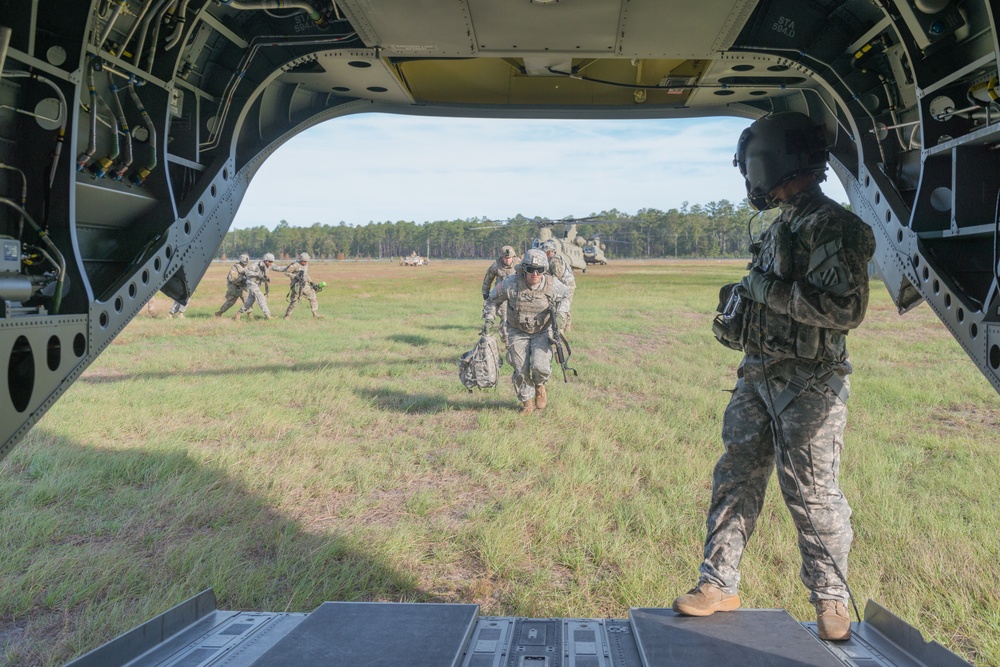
[{"x": 383, "y": 167}]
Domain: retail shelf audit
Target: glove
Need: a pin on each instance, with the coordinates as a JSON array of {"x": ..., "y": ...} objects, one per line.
[
  {"x": 757, "y": 285},
  {"x": 560, "y": 321},
  {"x": 486, "y": 295}
]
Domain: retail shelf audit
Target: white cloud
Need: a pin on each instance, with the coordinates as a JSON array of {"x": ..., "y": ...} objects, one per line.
[{"x": 379, "y": 167}]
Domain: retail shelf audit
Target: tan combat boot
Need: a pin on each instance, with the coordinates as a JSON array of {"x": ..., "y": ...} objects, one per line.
[
  {"x": 527, "y": 407},
  {"x": 704, "y": 600},
  {"x": 832, "y": 620},
  {"x": 218, "y": 313},
  {"x": 541, "y": 400},
  {"x": 238, "y": 316}
]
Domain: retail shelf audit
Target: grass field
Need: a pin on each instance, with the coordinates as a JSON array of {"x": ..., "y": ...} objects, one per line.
[{"x": 285, "y": 463}]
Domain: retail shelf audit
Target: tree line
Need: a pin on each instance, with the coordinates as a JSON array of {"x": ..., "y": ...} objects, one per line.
[{"x": 717, "y": 229}]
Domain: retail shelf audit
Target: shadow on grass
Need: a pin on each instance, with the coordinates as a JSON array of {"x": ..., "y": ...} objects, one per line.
[
  {"x": 109, "y": 539},
  {"x": 410, "y": 339},
  {"x": 398, "y": 401},
  {"x": 95, "y": 377}
]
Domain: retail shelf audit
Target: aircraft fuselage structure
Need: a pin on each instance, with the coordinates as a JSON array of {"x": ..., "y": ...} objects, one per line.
[{"x": 130, "y": 130}]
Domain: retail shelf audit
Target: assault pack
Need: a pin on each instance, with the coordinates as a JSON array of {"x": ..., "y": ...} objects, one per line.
[{"x": 479, "y": 368}]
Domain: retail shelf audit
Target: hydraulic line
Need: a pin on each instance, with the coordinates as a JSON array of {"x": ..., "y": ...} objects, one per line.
[
  {"x": 84, "y": 157},
  {"x": 234, "y": 81},
  {"x": 126, "y": 162},
  {"x": 143, "y": 173},
  {"x": 316, "y": 17},
  {"x": 111, "y": 23},
  {"x": 63, "y": 114},
  {"x": 153, "y": 15},
  {"x": 61, "y": 264},
  {"x": 135, "y": 26},
  {"x": 156, "y": 35}
]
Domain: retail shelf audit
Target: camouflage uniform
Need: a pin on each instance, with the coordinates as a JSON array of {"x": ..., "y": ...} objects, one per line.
[
  {"x": 236, "y": 288},
  {"x": 498, "y": 272},
  {"x": 256, "y": 275},
  {"x": 559, "y": 268},
  {"x": 301, "y": 286},
  {"x": 177, "y": 309},
  {"x": 529, "y": 326},
  {"x": 795, "y": 364}
]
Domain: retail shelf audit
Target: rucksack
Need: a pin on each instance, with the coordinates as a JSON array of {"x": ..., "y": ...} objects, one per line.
[{"x": 479, "y": 368}]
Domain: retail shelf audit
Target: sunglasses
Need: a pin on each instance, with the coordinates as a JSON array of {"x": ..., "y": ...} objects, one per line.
[{"x": 534, "y": 269}]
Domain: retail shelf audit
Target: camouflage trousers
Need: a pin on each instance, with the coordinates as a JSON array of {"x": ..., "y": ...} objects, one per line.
[
  {"x": 807, "y": 458},
  {"x": 256, "y": 296},
  {"x": 531, "y": 357},
  {"x": 307, "y": 293},
  {"x": 234, "y": 293}
]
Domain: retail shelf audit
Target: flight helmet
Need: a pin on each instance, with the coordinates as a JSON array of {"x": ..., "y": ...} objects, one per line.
[
  {"x": 304, "y": 257},
  {"x": 268, "y": 257},
  {"x": 534, "y": 259},
  {"x": 244, "y": 259},
  {"x": 775, "y": 149}
]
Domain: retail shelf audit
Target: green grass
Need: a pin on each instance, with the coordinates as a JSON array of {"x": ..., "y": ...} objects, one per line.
[{"x": 286, "y": 463}]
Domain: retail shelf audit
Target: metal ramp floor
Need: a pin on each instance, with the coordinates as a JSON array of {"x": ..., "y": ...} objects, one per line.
[{"x": 375, "y": 634}]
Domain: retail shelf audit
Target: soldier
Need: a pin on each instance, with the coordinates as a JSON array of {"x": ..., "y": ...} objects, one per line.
[
  {"x": 531, "y": 297},
  {"x": 500, "y": 269},
  {"x": 256, "y": 275},
  {"x": 236, "y": 285},
  {"x": 301, "y": 286},
  {"x": 177, "y": 310},
  {"x": 560, "y": 268},
  {"x": 807, "y": 287}
]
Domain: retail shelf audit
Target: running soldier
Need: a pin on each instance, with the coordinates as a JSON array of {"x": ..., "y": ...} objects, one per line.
[
  {"x": 301, "y": 286},
  {"x": 531, "y": 298},
  {"x": 236, "y": 285},
  {"x": 177, "y": 310},
  {"x": 500, "y": 269},
  {"x": 807, "y": 287},
  {"x": 560, "y": 268},
  {"x": 256, "y": 275}
]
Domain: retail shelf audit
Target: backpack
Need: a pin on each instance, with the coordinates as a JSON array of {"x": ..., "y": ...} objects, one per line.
[{"x": 479, "y": 368}]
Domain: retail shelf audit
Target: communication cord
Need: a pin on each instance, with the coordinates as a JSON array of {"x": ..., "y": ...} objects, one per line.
[{"x": 782, "y": 448}]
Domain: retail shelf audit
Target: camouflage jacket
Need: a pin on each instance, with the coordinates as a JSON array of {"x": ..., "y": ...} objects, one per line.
[
  {"x": 257, "y": 273},
  {"x": 528, "y": 308},
  {"x": 237, "y": 275},
  {"x": 819, "y": 253},
  {"x": 497, "y": 272},
  {"x": 559, "y": 267},
  {"x": 295, "y": 271}
]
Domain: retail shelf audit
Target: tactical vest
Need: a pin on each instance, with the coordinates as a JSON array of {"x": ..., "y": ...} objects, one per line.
[
  {"x": 504, "y": 271},
  {"x": 529, "y": 309},
  {"x": 776, "y": 335}
]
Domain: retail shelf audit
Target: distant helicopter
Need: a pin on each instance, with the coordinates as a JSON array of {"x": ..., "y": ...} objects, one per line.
[
  {"x": 570, "y": 244},
  {"x": 593, "y": 250}
]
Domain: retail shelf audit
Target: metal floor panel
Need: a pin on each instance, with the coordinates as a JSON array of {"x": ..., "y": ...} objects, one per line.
[
  {"x": 377, "y": 634},
  {"x": 744, "y": 638}
]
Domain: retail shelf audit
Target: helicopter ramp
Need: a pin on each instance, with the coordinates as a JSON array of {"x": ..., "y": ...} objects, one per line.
[{"x": 375, "y": 634}]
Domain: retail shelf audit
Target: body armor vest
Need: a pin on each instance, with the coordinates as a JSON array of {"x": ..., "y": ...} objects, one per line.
[
  {"x": 776, "y": 335},
  {"x": 530, "y": 309}
]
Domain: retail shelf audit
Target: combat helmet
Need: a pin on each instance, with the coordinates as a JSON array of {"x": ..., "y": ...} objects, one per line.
[
  {"x": 775, "y": 149},
  {"x": 268, "y": 257},
  {"x": 304, "y": 257},
  {"x": 548, "y": 245},
  {"x": 507, "y": 252},
  {"x": 244, "y": 259},
  {"x": 533, "y": 259}
]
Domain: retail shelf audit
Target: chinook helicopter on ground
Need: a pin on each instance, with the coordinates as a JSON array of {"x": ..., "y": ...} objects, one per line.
[{"x": 569, "y": 242}]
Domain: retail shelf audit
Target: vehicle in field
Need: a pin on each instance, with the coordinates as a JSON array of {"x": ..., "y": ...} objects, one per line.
[{"x": 131, "y": 129}]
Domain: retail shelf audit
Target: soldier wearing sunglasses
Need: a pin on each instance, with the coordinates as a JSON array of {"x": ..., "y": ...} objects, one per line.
[{"x": 531, "y": 298}]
